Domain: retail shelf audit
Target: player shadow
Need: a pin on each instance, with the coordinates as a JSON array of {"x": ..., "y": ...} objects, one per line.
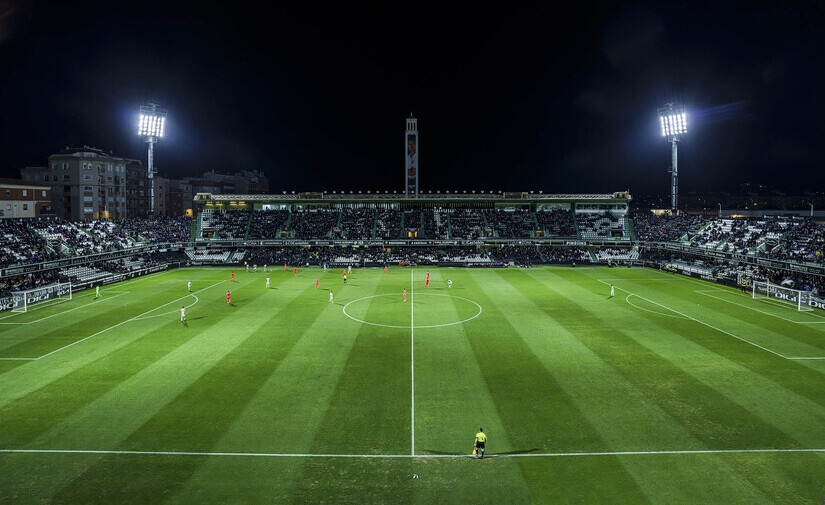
[
  {"x": 193, "y": 318},
  {"x": 486, "y": 454}
]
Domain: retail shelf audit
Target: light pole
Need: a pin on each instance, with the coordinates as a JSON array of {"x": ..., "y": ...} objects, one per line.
[
  {"x": 812, "y": 210},
  {"x": 673, "y": 120},
  {"x": 151, "y": 127},
  {"x": 720, "y": 210}
]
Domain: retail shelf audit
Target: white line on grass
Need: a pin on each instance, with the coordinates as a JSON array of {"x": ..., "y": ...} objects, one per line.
[
  {"x": 702, "y": 322},
  {"x": 143, "y": 318},
  {"x": 719, "y": 329},
  {"x": 704, "y": 293},
  {"x": 399, "y": 456},
  {"x": 412, "y": 363},
  {"x": 69, "y": 310},
  {"x": 406, "y": 326},
  {"x": 648, "y": 310},
  {"x": 124, "y": 322}
]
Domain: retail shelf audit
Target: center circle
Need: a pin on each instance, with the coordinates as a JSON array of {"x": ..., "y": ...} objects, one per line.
[{"x": 426, "y": 312}]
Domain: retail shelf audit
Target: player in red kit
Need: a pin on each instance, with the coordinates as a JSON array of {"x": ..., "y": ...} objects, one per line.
[
  {"x": 296, "y": 271},
  {"x": 317, "y": 281},
  {"x": 233, "y": 276},
  {"x": 427, "y": 283},
  {"x": 405, "y": 295},
  {"x": 385, "y": 268},
  {"x": 285, "y": 267},
  {"x": 228, "y": 297}
]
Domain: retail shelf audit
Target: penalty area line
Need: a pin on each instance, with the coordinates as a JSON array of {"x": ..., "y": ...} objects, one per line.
[
  {"x": 703, "y": 323},
  {"x": 128, "y": 320},
  {"x": 409, "y": 456}
]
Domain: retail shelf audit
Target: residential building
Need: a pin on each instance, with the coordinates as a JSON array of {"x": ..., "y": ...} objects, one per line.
[
  {"x": 19, "y": 198},
  {"x": 86, "y": 183}
]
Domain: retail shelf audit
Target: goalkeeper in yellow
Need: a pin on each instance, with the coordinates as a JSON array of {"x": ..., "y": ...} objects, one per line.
[{"x": 478, "y": 447}]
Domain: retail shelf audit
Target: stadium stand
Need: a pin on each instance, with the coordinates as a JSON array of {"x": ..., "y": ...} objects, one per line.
[
  {"x": 601, "y": 225},
  {"x": 556, "y": 222},
  {"x": 267, "y": 224},
  {"x": 466, "y": 223},
  {"x": 388, "y": 225},
  {"x": 511, "y": 223}
]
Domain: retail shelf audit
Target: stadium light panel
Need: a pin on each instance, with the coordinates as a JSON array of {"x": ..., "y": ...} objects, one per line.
[
  {"x": 673, "y": 120},
  {"x": 152, "y": 121}
]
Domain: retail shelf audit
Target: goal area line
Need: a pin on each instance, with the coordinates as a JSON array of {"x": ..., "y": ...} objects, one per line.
[{"x": 409, "y": 456}]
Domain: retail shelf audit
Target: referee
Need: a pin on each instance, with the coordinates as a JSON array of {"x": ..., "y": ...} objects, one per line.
[{"x": 481, "y": 439}]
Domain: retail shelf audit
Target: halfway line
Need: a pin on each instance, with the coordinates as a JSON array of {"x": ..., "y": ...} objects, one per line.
[{"x": 397, "y": 456}]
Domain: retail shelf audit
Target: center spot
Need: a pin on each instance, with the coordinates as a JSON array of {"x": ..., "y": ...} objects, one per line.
[{"x": 421, "y": 310}]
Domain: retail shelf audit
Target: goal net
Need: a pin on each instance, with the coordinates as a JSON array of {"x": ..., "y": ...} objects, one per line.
[
  {"x": 24, "y": 299},
  {"x": 782, "y": 295}
]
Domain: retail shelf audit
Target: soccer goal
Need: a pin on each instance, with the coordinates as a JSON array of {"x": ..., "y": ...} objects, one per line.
[
  {"x": 785, "y": 296},
  {"x": 24, "y": 299}
]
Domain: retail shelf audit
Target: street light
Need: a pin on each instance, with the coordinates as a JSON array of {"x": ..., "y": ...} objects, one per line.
[
  {"x": 673, "y": 120},
  {"x": 151, "y": 126}
]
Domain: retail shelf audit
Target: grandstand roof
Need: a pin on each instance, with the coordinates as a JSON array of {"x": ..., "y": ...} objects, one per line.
[{"x": 503, "y": 197}]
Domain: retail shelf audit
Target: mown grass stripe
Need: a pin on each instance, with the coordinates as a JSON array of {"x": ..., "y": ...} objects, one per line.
[
  {"x": 805, "y": 379},
  {"x": 286, "y": 412},
  {"x": 108, "y": 414},
  {"x": 369, "y": 411},
  {"x": 618, "y": 410},
  {"x": 537, "y": 413},
  {"x": 200, "y": 412},
  {"x": 704, "y": 411}
]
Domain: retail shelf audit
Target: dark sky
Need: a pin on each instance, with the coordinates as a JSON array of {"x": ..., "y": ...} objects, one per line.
[{"x": 560, "y": 100}]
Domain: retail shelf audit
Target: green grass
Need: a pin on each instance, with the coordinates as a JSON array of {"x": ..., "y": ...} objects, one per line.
[{"x": 283, "y": 384}]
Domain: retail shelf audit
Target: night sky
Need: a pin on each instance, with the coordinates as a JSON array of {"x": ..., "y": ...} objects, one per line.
[{"x": 559, "y": 100}]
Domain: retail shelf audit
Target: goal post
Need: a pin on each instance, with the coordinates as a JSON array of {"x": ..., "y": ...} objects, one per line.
[
  {"x": 24, "y": 299},
  {"x": 786, "y": 296}
]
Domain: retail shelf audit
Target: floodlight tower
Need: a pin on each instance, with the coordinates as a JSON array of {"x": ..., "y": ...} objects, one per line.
[
  {"x": 151, "y": 126},
  {"x": 673, "y": 121}
]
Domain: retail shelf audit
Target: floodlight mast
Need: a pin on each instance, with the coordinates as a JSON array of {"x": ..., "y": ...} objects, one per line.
[
  {"x": 151, "y": 126},
  {"x": 673, "y": 120}
]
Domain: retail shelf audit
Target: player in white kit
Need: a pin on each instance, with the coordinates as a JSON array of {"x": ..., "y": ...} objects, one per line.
[
  {"x": 182, "y": 314},
  {"x": 449, "y": 283},
  {"x": 267, "y": 282},
  {"x": 255, "y": 267},
  {"x": 330, "y": 297},
  {"x": 189, "y": 286}
]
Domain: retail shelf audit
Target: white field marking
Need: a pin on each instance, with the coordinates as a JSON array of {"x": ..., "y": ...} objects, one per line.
[
  {"x": 407, "y": 326},
  {"x": 635, "y": 280},
  {"x": 40, "y": 306},
  {"x": 400, "y": 456},
  {"x": 69, "y": 310},
  {"x": 648, "y": 310},
  {"x": 705, "y": 293},
  {"x": 141, "y": 318},
  {"x": 124, "y": 322},
  {"x": 412, "y": 364},
  {"x": 703, "y": 323},
  {"x": 729, "y": 291},
  {"x": 721, "y": 330}
]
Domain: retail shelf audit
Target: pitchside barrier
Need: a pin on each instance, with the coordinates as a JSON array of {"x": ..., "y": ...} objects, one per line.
[{"x": 20, "y": 301}]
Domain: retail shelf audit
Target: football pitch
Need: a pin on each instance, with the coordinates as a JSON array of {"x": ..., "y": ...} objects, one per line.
[{"x": 672, "y": 391}]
